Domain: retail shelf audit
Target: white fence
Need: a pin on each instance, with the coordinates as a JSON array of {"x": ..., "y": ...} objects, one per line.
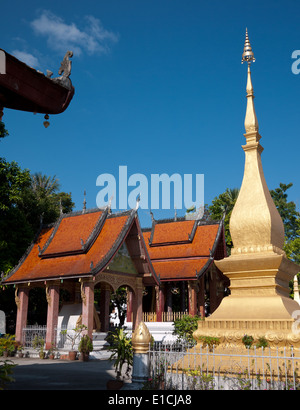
[
  {"x": 61, "y": 340},
  {"x": 181, "y": 368},
  {"x": 31, "y": 332}
]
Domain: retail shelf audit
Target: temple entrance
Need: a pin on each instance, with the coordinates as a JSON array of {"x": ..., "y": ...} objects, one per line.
[{"x": 111, "y": 305}]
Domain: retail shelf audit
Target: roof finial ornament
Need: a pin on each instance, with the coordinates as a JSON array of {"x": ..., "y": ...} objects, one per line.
[
  {"x": 109, "y": 203},
  {"x": 138, "y": 202},
  {"x": 84, "y": 203}
]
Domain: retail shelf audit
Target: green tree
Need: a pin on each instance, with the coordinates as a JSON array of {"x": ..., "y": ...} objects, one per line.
[
  {"x": 184, "y": 329},
  {"x": 119, "y": 300},
  {"x": 292, "y": 247},
  {"x": 24, "y": 200},
  {"x": 41, "y": 201},
  {"x": 3, "y": 132},
  {"x": 224, "y": 203},
  {"x": 287, "y": 210},
  {"x": 15, "y": 231}
]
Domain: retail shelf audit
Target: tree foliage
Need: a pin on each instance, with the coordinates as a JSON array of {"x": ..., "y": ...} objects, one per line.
[
  {"x": 25, "y": 201},
  {"x": 224, "y": 203},
  {"x": 184, "y": 329},
  {"x": 3, "y": 132},
  {"x": 287, "y": 210}
]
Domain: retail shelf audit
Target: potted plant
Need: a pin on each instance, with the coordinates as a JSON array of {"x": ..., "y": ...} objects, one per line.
[
  {"x": 7, "y": 345},
  {"x": 122, "y": 354},
  {"x": 76, "y": 332},
  {"x": 51, "y": 351},
  {"x": 38, "y": 344},
  {"x": 20, "y": 348},
  {"x": 85, "y": 347}
]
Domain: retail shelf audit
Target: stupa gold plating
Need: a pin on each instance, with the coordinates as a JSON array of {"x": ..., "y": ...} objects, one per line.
[{"x": 258, "y": 268}]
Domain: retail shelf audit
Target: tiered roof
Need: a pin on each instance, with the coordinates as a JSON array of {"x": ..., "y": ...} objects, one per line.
[
  {"x": 82, "y": 245},
  {"x": 184, "y": 249}
]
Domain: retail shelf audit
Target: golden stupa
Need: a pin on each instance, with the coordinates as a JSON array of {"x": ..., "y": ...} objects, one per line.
[{"x": 259, "y": 271}]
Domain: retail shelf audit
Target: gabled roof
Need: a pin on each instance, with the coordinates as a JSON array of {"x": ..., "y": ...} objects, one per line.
[
  {"x": 184, "y": 249},
  {"x": 82, "y": 245}
]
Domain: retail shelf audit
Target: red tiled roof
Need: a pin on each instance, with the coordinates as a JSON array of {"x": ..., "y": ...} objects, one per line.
[
  {"x": 179, "y": 269},
  {"x": 70, "y": 229},
  {"x": 172, "y": 232},
  {"x": 177, "y": 254}
]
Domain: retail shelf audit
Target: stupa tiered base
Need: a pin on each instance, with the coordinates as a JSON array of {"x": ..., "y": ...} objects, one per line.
[{"x": 259, "y": 304}]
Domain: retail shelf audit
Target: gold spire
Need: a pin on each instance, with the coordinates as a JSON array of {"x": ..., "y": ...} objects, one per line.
[
  {"x": 251, "y": 123},
  {"x": 255, "y": 222}
]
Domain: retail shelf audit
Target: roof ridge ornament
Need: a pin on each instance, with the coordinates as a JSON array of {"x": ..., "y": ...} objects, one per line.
[
  {"x": 138, "y": 202},
  {"x": 84, "y": 202}
]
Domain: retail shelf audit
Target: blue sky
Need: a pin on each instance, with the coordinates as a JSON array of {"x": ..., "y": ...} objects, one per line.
[{"x": 159, "y": 88}]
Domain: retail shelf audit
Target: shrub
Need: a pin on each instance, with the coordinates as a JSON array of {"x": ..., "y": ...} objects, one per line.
[
  {"x": 184, "y": 329},
  {"x": 262, "y": 342},
  {"x": 248, "y": 341},
  {"x": 209, "y": 341},
  {"x": 121, "y": 349}
]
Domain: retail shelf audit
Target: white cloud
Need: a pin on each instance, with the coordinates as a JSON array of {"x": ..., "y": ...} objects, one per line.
[
  {"x": 27, "y": 58},
  {"x": 94, "y": 38}
]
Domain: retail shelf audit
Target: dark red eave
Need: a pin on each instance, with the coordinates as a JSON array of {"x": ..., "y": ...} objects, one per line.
[{"x": 25, "y": 89}]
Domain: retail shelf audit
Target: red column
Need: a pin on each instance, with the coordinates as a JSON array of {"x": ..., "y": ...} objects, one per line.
[
  {"x": 52, "y": 312},
  {"x": 201, "y": 297},
  {"x": 88, "y": 306},
  {"x": 22, "y": 303},
  {"x": 192, "y": 298},
  {"x": 160, "y": 303}
]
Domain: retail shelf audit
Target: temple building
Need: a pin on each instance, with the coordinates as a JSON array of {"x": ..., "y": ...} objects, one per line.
[
  {"x": 79, "y": 253},
  {"x": 182, "y": 252},
  {"x": 167, "y": 270}
]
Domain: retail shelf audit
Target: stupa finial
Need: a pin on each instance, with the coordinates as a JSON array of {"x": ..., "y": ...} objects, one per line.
[
  {"x": 248, "y": 55},
  {"x": 251, "y": 123}
]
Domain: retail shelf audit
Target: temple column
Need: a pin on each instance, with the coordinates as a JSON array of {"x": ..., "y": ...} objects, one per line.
[
  {"x": 104, "y": 307},
  {"x": 52, "y": 295},
  {"x": 201, "y": 297},
  {"x": 160, "y": 303},
  {"x": 192, "y": 285},
  {"x": 87, "y": 295},
  {"x": 138, "y": 304},
  {"x": 21, "y": 297}
]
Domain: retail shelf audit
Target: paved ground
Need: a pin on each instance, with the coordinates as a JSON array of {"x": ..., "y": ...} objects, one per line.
[{"x": 37, "y": 374}]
